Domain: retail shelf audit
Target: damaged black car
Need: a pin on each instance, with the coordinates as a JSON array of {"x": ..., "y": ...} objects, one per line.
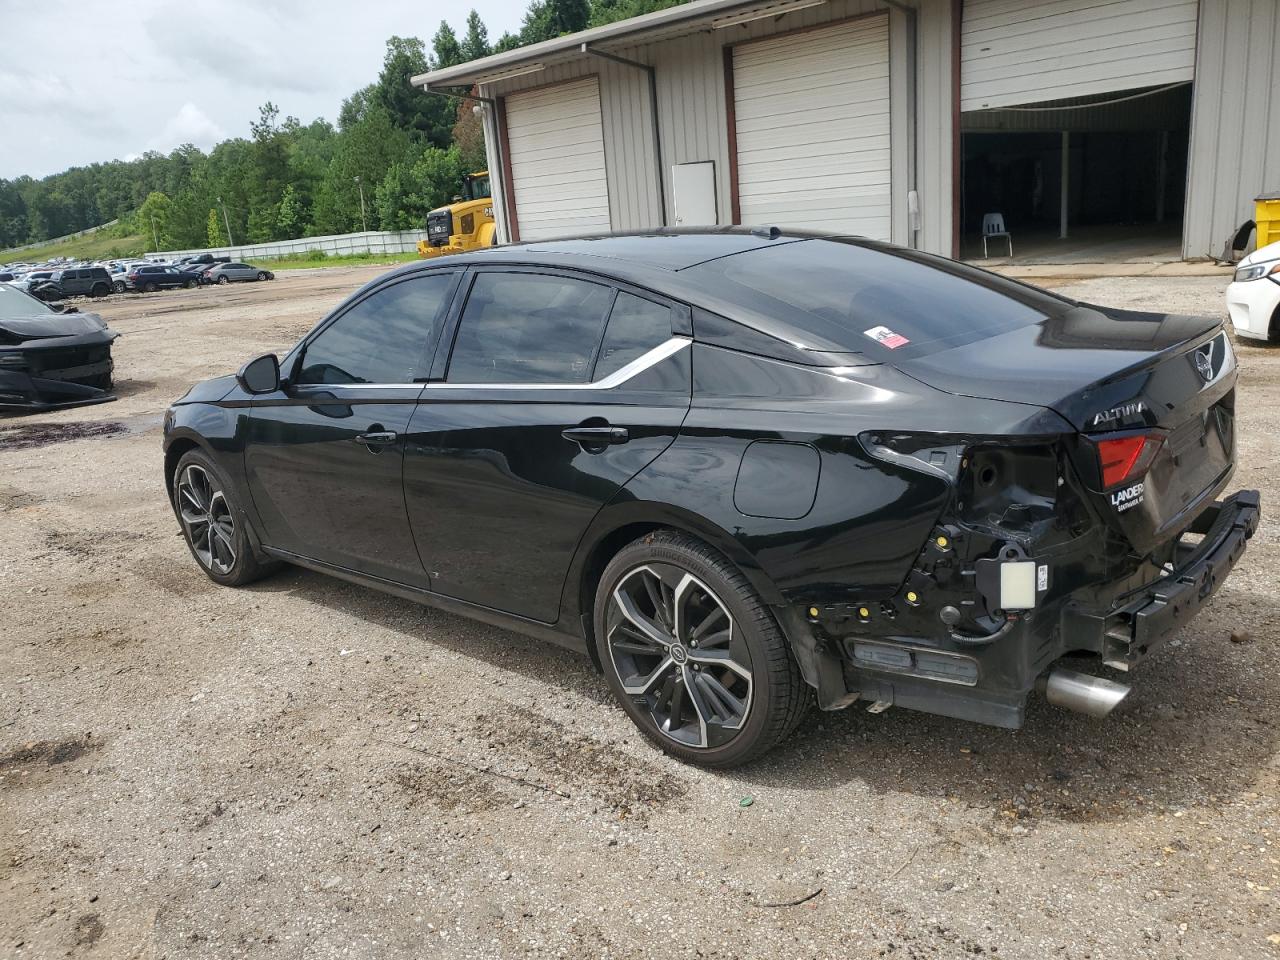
[
  {"x": 51, "y": 358},
  {"x": 743, "y": 471}
]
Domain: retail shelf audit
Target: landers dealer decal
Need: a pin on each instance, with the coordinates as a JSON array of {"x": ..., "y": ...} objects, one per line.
[{"x": 1122, "y": 500}]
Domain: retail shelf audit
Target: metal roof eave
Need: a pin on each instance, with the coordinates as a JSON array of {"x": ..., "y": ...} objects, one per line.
[{"x": 641, "y": 29}]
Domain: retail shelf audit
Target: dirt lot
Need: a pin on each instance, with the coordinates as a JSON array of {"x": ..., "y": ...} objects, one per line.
[{"x": 309, "y": 769}]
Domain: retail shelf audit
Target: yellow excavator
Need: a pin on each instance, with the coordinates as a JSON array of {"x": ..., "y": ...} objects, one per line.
[{"x": 465, "y": 224}]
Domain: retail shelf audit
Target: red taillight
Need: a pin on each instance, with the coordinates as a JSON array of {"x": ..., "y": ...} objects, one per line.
[{"x": 1123, "y": 458}]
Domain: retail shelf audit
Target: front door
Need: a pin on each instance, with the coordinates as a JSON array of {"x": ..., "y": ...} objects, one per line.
[
  {"x": 558, "y": 390},
  {"x": 325, "y": 455}
]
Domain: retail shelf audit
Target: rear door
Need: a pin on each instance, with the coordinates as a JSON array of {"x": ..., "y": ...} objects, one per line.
[
  {"x": 324, "y": 455},
  {"x": 558, "y": 389}
]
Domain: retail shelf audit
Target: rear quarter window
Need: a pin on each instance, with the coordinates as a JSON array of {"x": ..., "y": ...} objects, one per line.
[{"x": 885, "y": 302}]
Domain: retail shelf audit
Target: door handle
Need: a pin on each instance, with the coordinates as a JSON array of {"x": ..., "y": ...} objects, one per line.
[
  {"x": 376, "y": 438},
  {"x": 596, "y": 436}
]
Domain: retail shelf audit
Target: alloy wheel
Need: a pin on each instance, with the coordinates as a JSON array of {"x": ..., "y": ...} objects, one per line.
[
  {"x": 206, "y": 519},
  {"x": 679, "y": 656}
]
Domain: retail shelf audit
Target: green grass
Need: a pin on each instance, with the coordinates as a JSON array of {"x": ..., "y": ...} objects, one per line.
[
  {"x": 104, "y": 247},
  {"x": 311, "y": 260},
  {"x": 98, "y": 246}
]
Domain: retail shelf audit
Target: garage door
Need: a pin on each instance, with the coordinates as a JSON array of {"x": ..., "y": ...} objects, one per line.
[
  {"x": 557, "y": 160},
  {"x": 811, "y": 113},
  {"x": 1025, "y": 51}
]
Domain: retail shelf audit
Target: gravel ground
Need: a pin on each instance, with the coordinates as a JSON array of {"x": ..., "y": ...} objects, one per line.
[{"x": 309, "y": 769}]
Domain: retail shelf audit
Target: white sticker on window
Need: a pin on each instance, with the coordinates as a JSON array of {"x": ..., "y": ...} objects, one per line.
[
  {"x": 886, "y": 337},
  {"x": 1042, "y": 578}
]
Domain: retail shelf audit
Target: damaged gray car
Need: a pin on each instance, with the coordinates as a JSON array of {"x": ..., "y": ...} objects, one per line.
[{"x": 51, "y": 358}]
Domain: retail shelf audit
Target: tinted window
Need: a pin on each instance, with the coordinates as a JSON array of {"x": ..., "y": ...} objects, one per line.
[
  {"x": 888, "y": 303},
  {"x": 636, "y": 326},
  {"x": 383, "y": 338},
  {"x": 527, "y": 328}
]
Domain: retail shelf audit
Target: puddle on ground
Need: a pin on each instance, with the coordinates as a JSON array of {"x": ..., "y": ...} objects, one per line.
[{"x": 26, "y": 436}]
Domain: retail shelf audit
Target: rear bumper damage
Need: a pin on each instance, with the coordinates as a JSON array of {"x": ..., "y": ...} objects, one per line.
[
  {"x": 1129, "y": 632},
  {"x": 989, "y": 681}
]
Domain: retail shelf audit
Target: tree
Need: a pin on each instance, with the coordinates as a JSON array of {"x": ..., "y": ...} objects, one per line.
[
  {"x": 468, "y": 137},
  {"x": 290, "y": 221},
  {"x": 445, "y": 47},
  {"x": 153, "y": 216},
  {"x": 213, "y": 229},
  {"x": 357, "y": 106},
  {"x": 408, "y": 193},
  {"x": 548, "y": 19},
  {"x": 611, "y": 11},
  {"x": 410, "y": 108},
  {"x": 475, "y": 44}
]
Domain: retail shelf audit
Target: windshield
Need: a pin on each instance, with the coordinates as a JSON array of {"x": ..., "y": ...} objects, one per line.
[
  {"x": 882, "y": 301},
  {"x": 15, "y": 303},
  {"x": 478, "y": 188}
]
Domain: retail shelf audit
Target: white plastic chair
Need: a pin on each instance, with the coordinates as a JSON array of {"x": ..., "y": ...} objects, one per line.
[{"x": 993, "y": 226}]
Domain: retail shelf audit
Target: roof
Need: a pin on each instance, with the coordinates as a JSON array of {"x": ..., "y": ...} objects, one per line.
[
  {"x": 661, "y": 24},
  {"x": 640, "y": 256}
]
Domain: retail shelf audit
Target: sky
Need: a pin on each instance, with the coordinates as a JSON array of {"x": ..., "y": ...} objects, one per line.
[{"x": 82, "y": 82}]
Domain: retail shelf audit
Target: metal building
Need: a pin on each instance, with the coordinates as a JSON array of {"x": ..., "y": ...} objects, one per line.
[{"x": 903, "y": 120}]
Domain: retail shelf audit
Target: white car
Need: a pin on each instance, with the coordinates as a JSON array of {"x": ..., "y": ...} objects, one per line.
[{"x": 1253, "y": 297}]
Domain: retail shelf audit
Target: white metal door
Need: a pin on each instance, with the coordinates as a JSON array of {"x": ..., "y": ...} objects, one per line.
[
  {"x": 557, "y": 160},
  {"x": 693, "y": 189},
  {"x": 811, "y": 114},
  {"x": 1026, "y": 51}
]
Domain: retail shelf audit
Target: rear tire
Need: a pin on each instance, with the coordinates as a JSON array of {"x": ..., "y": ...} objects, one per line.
[
  {"x": 119, "y": 286},
  {"x": 693, "y": 653},
  {"x": 223, "y": 278},
  {"x": 99, "y": 290},
  {"x": 213, "y": 524},
  {"x": 191, "y": 284},
  {"x": 150, "y": 288}
]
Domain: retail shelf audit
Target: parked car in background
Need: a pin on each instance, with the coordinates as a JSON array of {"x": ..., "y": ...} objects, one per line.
[
  {"x": 743, "y": 471},
  {"x": 151, "y": 278},
  {"x": 25, "y": 281},
  {"x": 51, "y": 358},
  {"x": 231, "y": 272},
  {"x": 205, "y": 258},
  {"x": 83, "y": 281},
  {"x": 1253, "y": 298}
]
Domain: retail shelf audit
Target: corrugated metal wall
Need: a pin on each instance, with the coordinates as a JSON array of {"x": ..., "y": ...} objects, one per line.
[
  {"x": 693, "y": 122},
  {"x": 1235, "y": 120}
]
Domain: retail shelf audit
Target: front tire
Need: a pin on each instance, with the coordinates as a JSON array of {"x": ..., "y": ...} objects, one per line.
[
  {"x": 262, "y": 276},
  {"x": 693, "y": 654},
  {"x": 212, "y": 523}
]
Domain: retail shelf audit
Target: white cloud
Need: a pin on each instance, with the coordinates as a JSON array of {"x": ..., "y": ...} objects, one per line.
[
  {"x": 207, "y": 72},
  {"x": 189, "y": 125}
]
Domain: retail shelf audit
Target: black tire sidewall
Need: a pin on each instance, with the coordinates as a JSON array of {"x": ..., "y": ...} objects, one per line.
[
  {"x": 245, "y": 567},
  {"x": 744, "y": 746}
]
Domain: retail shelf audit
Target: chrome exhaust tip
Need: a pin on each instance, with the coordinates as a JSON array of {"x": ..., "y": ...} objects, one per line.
[{"x": 1081, "y": 692}]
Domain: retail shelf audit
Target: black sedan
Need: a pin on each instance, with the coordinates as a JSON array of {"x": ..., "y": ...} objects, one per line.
[
  {"x": 153, "y": 277},
  {"x": 742, "y": 471},
  {"x": 51, "y": 358}
]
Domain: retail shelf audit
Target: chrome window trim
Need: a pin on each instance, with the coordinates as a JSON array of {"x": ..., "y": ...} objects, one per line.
[{"x": 620, "y": 376}]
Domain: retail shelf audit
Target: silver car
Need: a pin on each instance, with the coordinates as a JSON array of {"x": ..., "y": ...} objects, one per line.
[{"x": 227, "y": 272}]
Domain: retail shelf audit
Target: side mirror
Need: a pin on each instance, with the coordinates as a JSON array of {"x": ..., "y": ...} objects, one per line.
[{"x": 260, "y": 375}]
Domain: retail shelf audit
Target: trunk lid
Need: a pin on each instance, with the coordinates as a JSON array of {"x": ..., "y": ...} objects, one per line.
[{"x": 1116, "y": 373}]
